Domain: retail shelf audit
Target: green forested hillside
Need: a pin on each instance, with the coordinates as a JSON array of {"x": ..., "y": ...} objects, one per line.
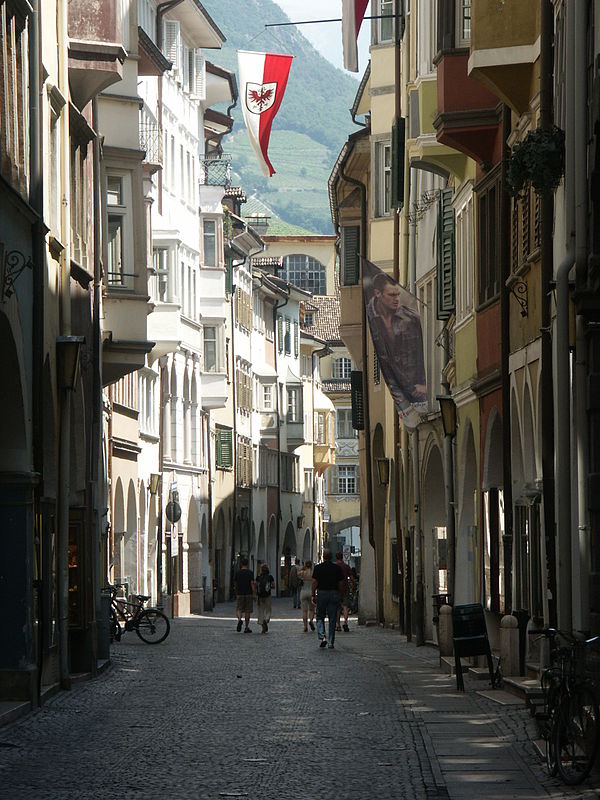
[{"x": 311, "y": 126}]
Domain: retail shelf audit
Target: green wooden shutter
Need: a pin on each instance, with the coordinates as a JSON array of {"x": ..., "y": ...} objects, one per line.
[
  {"x": 446, "y": 258},
  {"x": 356, "y": 392},
  {"x": 224, "y": 448},
  {"x": 280, "y": 334},
  {"x": 398, "y": 146},
  {"x": 296, "y": 340},
  {"x": 350, "y": 245},
  {"x": 228, "y": 274}
]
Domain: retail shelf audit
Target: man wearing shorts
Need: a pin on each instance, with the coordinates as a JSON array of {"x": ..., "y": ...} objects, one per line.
[{"x": 245, "y": 592}]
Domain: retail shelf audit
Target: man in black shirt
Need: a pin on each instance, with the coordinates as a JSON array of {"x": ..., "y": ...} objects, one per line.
[
  {"x": 245, "y": 591},
  {"x": 328, "y": 584}
]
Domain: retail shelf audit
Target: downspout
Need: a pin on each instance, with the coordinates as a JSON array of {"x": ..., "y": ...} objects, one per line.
[
  {"x": 209, "y": 554},
  {"x": 234, "y": 454},
  {"x": 64, "y": 487},
  {"x": 276, "y": 307},
  {"x": 563, "y": 355},
  {"x": 507, "y": 536},
  {"x": 547, "y": 410},
  {"x": 367, "y": 414},
  {"x": 582, "y": 542},
  {"x": 36, "y": 198}
]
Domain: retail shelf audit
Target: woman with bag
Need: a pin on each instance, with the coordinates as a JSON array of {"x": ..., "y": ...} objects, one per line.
[{"x": 308, "y": 609}]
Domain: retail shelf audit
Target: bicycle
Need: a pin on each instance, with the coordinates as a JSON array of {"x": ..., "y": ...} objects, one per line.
[
  {"x": 570, "y": 722},
  {"x": 150, "y": 624}
]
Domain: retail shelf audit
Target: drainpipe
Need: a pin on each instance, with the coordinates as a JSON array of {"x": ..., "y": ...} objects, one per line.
[
  {"x": 365, "y": 364},
  {"x": 581, "y": 546},
  {"x": 276, "y": 307},
  {"x": 36, "y": 198},
  {"x": 547, "y": 387},
  {"x": 210, "y": 552},
  {"x": 64, "y": 488},
  {"x": 234, "y": 454}
]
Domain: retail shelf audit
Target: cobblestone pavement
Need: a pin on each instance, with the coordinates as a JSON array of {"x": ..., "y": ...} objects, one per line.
[{"x": 211, "y": 713}]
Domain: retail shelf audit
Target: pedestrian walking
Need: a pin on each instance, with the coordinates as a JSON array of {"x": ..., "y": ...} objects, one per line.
[
  {"x": 264, "y": 583},
  {"x": 308, "y": 608},
  {"x": 295, "y": 583},
  {"x": 327, "y": 586},
  {"x": 344, "y": 605},
  {"x": 245, "y": 591}
]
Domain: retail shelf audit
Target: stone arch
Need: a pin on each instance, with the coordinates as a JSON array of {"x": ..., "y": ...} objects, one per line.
[
  {"x": 130, "y": 562},
  {"x": 261, "y": 548},
  {"x": 78, "y": 446},
  {"x": 173, "y": 410},
  {"x": 434, "y": 519},
  {"x": 220, "y": 566},
  {"x": 288, "y": 551},
  {"x": 153, "y": 553},
  {"x": 465, "y": 570},
  {"x": 14, "y": 452},
  {"x": 380, "y": 496},
  {"x": 49, "y": 448},
  {"x": 143, "y": 537},
  {"x": 206, "y": 579},
  {"x": 118, "y": 531},
  {"x": 194, "y": 557},
  {"x": 307, "y": 546},
  {"x": 529, "y": 460},
  {"x": 272, "y": 557},
  {"x": 492, "y": 515}
]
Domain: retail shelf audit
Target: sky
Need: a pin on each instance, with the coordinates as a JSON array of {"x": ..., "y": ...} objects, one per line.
[{"x": 327, "y": 37}]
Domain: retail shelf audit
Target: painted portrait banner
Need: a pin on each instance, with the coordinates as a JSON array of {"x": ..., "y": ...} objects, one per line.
[{"x": 397, "y": 336}]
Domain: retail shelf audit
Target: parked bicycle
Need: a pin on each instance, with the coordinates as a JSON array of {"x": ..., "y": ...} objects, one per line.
[
  {"x": 570, "y": 721},
  {"x": 150, "y": 624}
]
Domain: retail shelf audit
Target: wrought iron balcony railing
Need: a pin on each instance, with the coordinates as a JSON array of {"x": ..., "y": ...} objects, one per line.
[
  {"x": 151, "y": 140},
  {"x": 216, "y": 171}
]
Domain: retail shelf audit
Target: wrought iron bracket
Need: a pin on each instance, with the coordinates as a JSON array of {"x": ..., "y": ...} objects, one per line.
[
  {"x": 520, "y": 293},
  {"x": 12, "y": 264}
]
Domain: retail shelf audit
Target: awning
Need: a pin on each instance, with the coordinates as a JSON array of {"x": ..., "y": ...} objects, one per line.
[
  {"x": 322, "y": 402},
  {"x": 264, "y": 371}
]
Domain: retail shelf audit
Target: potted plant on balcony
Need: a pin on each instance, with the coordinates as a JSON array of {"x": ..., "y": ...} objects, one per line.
[{"x": 538, "y": 161}]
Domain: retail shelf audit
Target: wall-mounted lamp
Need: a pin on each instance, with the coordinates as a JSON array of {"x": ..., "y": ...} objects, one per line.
[
  {"x": 383, "y": 470},
  {"x": 448, "y": 411},
  {"x": 12, "y": 264},
  {"x": 300, "y": 521},
  {"x": 153, "y": 483},
  {"x": 68, "y": 349}
]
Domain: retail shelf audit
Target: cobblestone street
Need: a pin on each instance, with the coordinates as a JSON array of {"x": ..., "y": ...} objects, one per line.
[{"x": 211, "y": 713}]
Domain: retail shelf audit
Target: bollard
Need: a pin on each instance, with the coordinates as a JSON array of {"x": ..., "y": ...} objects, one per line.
[
  {"x": 509, "y": 645},
  {"x": 445, "y": 631}
]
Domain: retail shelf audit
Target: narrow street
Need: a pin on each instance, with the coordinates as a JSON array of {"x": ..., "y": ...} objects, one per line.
[{"x": 211, "y": 713}]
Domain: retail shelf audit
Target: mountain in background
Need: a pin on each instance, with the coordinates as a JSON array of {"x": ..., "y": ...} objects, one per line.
[{"x": 312, "y": 124}]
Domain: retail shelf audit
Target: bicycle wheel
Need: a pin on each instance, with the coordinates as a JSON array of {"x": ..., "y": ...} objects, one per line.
[
  {"x": 550, "y": 737},
  {"x": 576, "y": 736},
  {"x": 152, "y": 626}
]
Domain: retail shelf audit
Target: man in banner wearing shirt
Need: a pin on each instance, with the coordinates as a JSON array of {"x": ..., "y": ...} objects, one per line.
[{"x": 398, "y": 340}]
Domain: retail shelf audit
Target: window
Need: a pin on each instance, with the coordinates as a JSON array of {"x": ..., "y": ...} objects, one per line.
[
  {"x": 384, "y": 28},
  {"x": 147, "y": 401},
  {"x": 305, "y": 272},
  {"x": 463, "y": 23},
  {"x": 210, "y": 348},
  {"x": 308, "y": 485},
  {"x": 160, "y": 259},
  {"x": 294, "y": 404},
  {"x": 267, "y": 397},
  {"x": 489, "y": 251},
  {"x": 346, "y": 479},
  {"x": 209, "y": 227},
  {"x": 465, "y": 257},
  {"x": 342, "y": 367},
  {"x": 383, "y": 153},
  {"x": 344, "y": 429},
  {"x": 119, "y": 255},
  {"x": 14, "y": 91},
  {"x": 224, "y": 448},
  {"x": 309, "y": 319}
]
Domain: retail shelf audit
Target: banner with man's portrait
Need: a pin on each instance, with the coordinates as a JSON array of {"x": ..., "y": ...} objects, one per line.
[{"x": 397, "y": 336}]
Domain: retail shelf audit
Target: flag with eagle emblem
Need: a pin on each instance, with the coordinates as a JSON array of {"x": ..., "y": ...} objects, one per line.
[{"x": 263, "y": 78}]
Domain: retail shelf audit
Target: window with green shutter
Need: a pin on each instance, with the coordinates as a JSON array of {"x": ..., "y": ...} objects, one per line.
[
  {"x": 296, "y": 339},
  {"x": 356, "y": 393},
  {"x": 350, "y": 255},
  {"x": 224, "y": 448},
  {"x": 228, "y": 275},
  {"x": 446, "y": 255},
  {"x": 280, "y": 334},
  {"x": 398, "y": 144}
]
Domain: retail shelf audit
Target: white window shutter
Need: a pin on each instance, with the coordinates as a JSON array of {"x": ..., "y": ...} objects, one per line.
[
  {"x": 171, "y": 40},
  {"x": 200, "y": 76}
]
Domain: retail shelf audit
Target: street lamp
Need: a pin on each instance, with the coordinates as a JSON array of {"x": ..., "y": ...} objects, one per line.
[
  {"x": 448, "y": 411},
  {"x": 153, "y": 484},
  {"x": 300, "y": 521},
  {"x": 67, "y": 357},
  {"x": 383, "y": 470}
]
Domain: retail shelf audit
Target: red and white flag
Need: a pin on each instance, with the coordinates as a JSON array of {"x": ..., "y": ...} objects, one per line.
[
  {"x": 263, "y": 78},
  {"x": 353, "y": 12}
]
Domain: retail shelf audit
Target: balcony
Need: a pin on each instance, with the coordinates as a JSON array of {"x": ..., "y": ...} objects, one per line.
[
  {"x": 151, "y": 142},
  {"x": 268, "y": 425},
  {"x": 213, "y": 390},
  {"x": 294, "y": 432},
  {"x": 216, "y": 171},
  {"x": 96, "y": 53},
  {"x": 505, "y": 45},
  {"x": 164, "y": 328},
  {"x": 468, "y": 118}
]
